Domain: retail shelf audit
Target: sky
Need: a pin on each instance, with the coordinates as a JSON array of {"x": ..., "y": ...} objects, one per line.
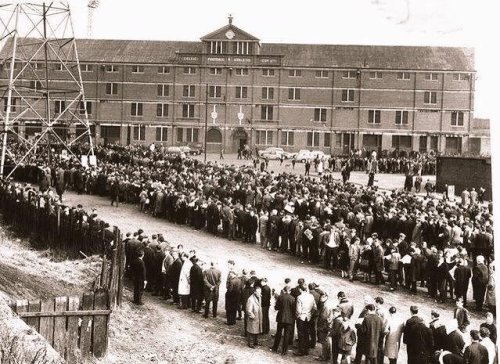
[{"x": 378, "y": 22}]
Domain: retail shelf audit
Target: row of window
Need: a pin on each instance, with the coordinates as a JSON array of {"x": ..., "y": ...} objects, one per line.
[
  {"x": 267, "y": 112},
  {"x": 268, "y": 72},
  {"x": 241, "y": 92},
  {"x": 184, "y": 135}
]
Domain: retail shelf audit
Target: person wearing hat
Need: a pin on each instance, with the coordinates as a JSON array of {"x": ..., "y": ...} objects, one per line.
[{"x": 324, "y": 323}]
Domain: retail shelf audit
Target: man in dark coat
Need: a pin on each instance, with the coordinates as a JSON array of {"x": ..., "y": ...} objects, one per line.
[
  {"x": 265, "y": 302},
  {"x": 475, "y": 353},
  {"x": 418, "y": 339},
  {"x": 211, "y": 279},
  {"x": 462, "y": 277},
  {"x": 285, "y": 307},
  {"x": 479, "y": 281},
  {"x": 173, "y": 274},
  {"x": 196, "y": 285},
  {"x": 369, "y": 332},
  {"x": 138, "y": 270},
  {"x": 234, "y": 289}
]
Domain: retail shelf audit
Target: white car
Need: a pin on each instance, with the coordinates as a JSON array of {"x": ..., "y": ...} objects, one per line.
[
  {"x": 275, "y": 153},
  {"x": 307, "y": 155}
]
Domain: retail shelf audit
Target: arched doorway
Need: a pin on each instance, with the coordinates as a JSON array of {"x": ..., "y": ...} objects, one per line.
[
  {"x": 240, "y": 138},
  {"x": 214, "y": 140}
]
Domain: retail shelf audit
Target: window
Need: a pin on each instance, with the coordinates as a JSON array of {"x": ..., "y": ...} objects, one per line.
[
  {"x": 139, "y": 132},
  {"x": 161, "y": 134},
  {"x": 111, "y": 68},
  {"x": 83, "y": 67},
  {"x": 327, "y": 139},
  {"x": 460, "y": 77},
  {"x": 136, "y": 109},
  {"x": 401, "y": 117},
  {"x": 137, "y": 69},
  {"x": 404, "y": 76},
  {"x": 349, "y": 74},
  {"x": 266, "y": 112},
  {"x": 401, "y": 141},
  {"x": 164, "y": 69},
  {"x": 215, "y": 71},
  {"x": 312, "y": 139},
  {"x": 268, "y": 93},
  {"x": 163, "y": 90},
  {"x": 59, "y": 106},
  {"x": 268, "y": 72},
  {"x": 338, "y": 140},
  {"x": 13, "y": 103},
  {"x": 348, "y": 95},
  {"x": 241, "y": 47},
  {"x": 162, "y": 110},
  {"x": 217, "y": 47},
  {"x": 189, "y": 70},
  {"x": 58, "y": 67},
  {"x": 111, "y": 89},
  {"x": 287, "y": 138},
  {"x": 264, "y": 137},
  {"x": 188, "y": 111},
  {"x": 319, "y": 114},
  {"x": 40, "y": 65},
  {"x": 241, "y": 71},
  {"x": 241, "y": 92},
  {"x": 376, "y": 75},
  {"x": 293, "y": 93},
  {"x": 191, "y": 135},
  {"x": 430, "y": 97},
  {"x": 35, "y": 85},
  {"x": 294, "y": 73},
  {"x": 373, "y": 116},
  {"x": 322, "y": 74},
  {"x": 88, "y": 105},
  {"x": 457, "y": 118},
  {"x": 431, "y": 76},
  {"x": 188, "y": 91},
  {"x": 215, "y": 91}
]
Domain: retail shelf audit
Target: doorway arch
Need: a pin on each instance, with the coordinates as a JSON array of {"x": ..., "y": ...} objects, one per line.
[{"x": 214, "y": 140}]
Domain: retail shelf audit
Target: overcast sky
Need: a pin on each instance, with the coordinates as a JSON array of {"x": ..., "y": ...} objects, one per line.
[{"x": 391, "y": 22}]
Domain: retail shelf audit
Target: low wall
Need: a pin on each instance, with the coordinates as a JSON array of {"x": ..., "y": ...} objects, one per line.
[{"x": 21, "y": 344}]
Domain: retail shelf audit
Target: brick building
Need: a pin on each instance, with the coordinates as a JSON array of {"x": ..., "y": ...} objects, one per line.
[{"x": 328, "y": 97}]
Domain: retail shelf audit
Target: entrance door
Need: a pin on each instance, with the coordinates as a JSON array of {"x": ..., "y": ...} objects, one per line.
[
  {"x": 243, "y": 142},
  {"x": 348, "y": 143}
]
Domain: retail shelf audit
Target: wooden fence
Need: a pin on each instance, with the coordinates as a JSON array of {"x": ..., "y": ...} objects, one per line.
[
  {"x": 62, "y": 228},
  {"x": 75, "y": 327}
]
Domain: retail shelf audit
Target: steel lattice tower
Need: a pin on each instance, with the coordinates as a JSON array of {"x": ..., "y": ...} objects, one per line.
[{"x": 44, "y": 82}]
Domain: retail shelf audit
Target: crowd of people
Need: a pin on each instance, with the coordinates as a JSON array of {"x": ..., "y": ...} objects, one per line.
[
  {"x": 377, "y": 332},
  {"x": 394, "y": 238}
]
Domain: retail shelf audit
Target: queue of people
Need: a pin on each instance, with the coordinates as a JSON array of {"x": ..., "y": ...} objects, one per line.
[{"x": 305, "y": 312}]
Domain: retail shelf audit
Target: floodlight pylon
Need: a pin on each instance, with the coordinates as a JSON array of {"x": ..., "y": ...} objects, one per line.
[{"x": 44, "y": 84}]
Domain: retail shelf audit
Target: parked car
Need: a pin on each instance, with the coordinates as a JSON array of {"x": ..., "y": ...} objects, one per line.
[
  {"x": 175, "y": 151},
  {"x": 275, "y": 153},
  {"x": 303, "y": 155},
  {"x": 196, "y": 148}
]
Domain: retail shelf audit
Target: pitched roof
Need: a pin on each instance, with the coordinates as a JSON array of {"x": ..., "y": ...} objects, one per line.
[
  {"x": 375, "y": 57},
  {"x": 298, "y": 55},
  {"x": 220, "y": 34}
]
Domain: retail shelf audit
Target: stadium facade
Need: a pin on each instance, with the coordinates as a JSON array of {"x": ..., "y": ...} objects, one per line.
[{"x": 296, "y": 96}]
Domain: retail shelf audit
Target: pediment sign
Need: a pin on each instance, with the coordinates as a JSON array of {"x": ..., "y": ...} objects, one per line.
[{"x": 230, "y": 32}]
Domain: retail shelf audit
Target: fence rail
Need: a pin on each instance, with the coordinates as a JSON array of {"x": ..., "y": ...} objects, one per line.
[
  {"x": 63, "y": 228},
  {"x": 76, "y": 327}
]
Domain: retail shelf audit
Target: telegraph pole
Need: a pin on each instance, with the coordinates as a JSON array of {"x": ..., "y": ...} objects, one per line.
[{"x": 206, "y": 122}]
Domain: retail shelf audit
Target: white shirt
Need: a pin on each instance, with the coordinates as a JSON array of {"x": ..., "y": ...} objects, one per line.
[
  {"x": 305, "y": 305},
  {"x": 490, "y": 346}
]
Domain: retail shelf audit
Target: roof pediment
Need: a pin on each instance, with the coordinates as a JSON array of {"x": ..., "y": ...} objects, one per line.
[{"x": 229, "y": 32}]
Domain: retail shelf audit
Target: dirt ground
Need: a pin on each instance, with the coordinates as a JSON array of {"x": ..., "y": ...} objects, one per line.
[
  {"x": 26, "y": 273},
  {"x": 159, "y": 332}
]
